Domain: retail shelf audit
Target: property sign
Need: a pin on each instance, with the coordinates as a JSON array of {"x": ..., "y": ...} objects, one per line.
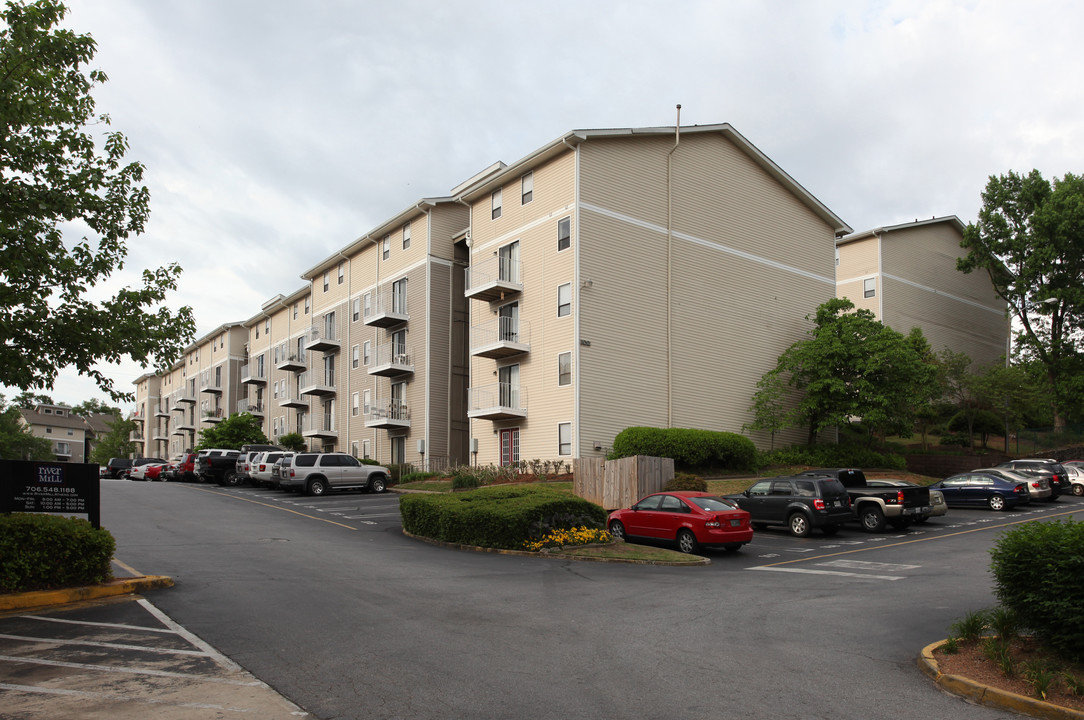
[{"x": 51, "y": 487}]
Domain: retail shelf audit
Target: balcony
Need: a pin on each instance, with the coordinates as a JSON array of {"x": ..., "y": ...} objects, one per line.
[
  {"x": 493, "y": 279},
  {"x": 176, "y": 405},
  {"x": 500, "y": 338},
  {"x": 255, "y": 407},
  {"x": 323, "y": 339},
  {"x": 136, "y": 436},
  {"x": 161, "y": 435},
  {"x": 184, "y": 425},
  {"x": 187, "y": 395},
  {"x": 392, "y": 414},
  {"x": 62, "y": 451},
  {"x": 210, "y": 383},
  {"x": 320, "y": 426},
  {"x": 294, "y": 400},
  {"x": 499, "y": 401},
  {"x": 312, "y": 383},
  {"x": 216, "y": 415},
  {"x": 162, "y": 410},
  {"x": 388, "y": 309},
  {"x": 253, "y": 375},
  {"x": 289, "y": 361},
  {"x": 391, "y": 359}
]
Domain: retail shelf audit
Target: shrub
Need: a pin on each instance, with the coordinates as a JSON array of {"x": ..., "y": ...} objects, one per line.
[
  {"x": 41, "y": 552},
  {"x": 1038, "y": 572},
  {"x": 832, "y": 456},
  {"x": 685, "y": 481},
  {"x": 417, "y": 476},
  {"x": 970, "y": 627},
  {"x": 689, "y": 448},
  {"x": 954, "y": 440},
  {"x": 497, "y": 517}
]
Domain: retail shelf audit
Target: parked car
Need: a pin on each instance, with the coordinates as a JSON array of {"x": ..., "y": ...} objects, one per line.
[
  {"x": 1060, "y": 478},
  {"x": 876, "y": 507},
  {"x": 277, "y": 467},
  {"x": 1075, "y": 468},
  {"x": 218, "y": 466},
  {"x": 317, "y": 473},
  {"x": 689, "y": 519},
  {"x": 117, "y": 467},
  {"x": 244, "y": 465},
  {"x": 1038, "y": 484},
  {"x": 937, "y": 498},
  {"x": 800, "y": 503},
  {"x": 259, "y": 472},
  {"x": 146, "y": 468},
  {"x": 976, "y": 489}
]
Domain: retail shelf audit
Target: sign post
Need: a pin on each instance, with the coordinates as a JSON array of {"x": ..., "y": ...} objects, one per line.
[{"x": 51, "y": 487}]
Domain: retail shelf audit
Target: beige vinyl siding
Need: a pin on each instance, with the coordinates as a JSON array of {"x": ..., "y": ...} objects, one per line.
[
  {"x": 858, "y": 258},
  {"x": 445, "y": 222}
]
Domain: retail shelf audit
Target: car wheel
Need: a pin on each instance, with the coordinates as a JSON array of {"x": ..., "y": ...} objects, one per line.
[
  {"x": 1078, "y": 489},
  {"x": 799, "y": 525},
  {"x": 317, "y": 486},
  {"x": 871, "y": 518},
  {"x": 686, "y": 541},
  {"x": 996, "y": 502},
  {"x": 830, "y": 530},
  {"x": 233, "y": 479},
  {"x": 378, "y": 485},
  {"x": 617, "y": 530}
]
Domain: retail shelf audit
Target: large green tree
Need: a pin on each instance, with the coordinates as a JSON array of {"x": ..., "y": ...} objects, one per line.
[
  {"x": 57, "y": 181},
  {"x": 115, "y": 443},
  {"x": 233, "y": 432},
  {"x": 850, "y": 366},
  {"x": 1029, "y": 239}
]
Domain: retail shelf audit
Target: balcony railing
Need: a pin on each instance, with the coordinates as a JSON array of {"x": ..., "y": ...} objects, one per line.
[
  {"x": 214, "y": 415},
  {"x": 210, "y": 382},
  {"x": 319, "y": 425},
  {"x": 493, "y": 278},
  {"x": 253, "y": 374},
  {"x": 501, "y": 337},
  {"x": 388, "y": 307},
  {"x": 292, "y": 399},
  {"x": 187, "y": 394},
  {"x": 313, "y": 382},
  {"x": 287, "y": 358},
  {"x": 162, "y": 410},
  {"x": 391, "y": 359},
  {"x": 322, "y": 338},
  {"x": 250, "y": 406},
  {"x": 388, "y": 414},
  {"x": 498, "y": 401}
]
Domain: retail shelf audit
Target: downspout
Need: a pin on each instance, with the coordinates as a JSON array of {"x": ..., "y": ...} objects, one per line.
[
  {"x": 473, "y": 455},
  {"x": 669, "y": 271},
  {"x": 428, "y": 330},
  {"x": 341, "y": 410},
  {"x": 576, "y": 375}
]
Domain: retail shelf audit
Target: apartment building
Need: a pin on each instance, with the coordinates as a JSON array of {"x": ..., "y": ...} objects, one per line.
[
  {"x": 385, "y": 355},
  {"x": 634, "y": 277},
  {"x": 906, "y": 275},
  {"x": 56, "y": 423},
  {"x": 148, "y": 391}
]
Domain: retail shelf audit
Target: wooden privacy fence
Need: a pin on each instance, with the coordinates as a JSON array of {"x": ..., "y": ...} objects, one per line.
[{"x": 615, "y": 484}]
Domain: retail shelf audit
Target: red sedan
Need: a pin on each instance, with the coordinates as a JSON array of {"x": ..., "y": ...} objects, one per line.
[{"x": 690, "y": 519}]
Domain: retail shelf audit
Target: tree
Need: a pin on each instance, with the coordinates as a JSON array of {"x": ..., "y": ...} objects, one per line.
[
  {"x": 55, "y": 179},
  {"x": 233, "y": 432},
  {"x": 17, "y": 442},
  {"x": 1010, "y": 393},
  {"x": 850, "y": 366},
  {"x": 94, "y": 406},
  {"x": 293, "y": 441},
  {"x": 115, "y": 443},
  {"x": 28, "y": 400},
  {"x": 1029, "y": 238},
  {"x": 960, "y": 386}
]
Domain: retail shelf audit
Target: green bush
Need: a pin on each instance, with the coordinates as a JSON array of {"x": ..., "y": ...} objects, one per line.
[
  {"x": 418, "y": 476},
  {"x": 42, "y": 552},
  {"x": 687, "y": 481},
  {"x": 832, "y": 456},
  {"x": 498, "y": 517},
  {"x": 1038, "y": 571},
  {"x": 689, "y": 448}
]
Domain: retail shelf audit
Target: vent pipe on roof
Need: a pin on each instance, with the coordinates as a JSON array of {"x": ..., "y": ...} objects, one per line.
[{"x": 677, "y": 127}]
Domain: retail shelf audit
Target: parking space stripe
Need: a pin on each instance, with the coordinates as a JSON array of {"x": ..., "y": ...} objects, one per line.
[
  {"x": 92, "y": 643},
  {"x": 122, "y": 698},
  {"x": 96, "y": 624},
  {"x": 128, "y": 670},
  {"x": 809, "y": 571},
  {"x": 209, "y": 651}
]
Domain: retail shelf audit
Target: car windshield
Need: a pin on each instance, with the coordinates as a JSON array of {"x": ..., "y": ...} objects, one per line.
[{"x": 712, "y": 504}]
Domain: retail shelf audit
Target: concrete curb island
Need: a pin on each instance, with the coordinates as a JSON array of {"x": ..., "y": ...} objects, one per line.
[
  {"x": 46, "y": 598},
  {"x": 985, "y": 695}
]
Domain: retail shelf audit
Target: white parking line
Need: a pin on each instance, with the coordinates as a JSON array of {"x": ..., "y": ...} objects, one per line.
[
  {"x": 128, "y": 670},
  {"x": 125, "y": 698},
  {"x": 807, "y": 571}
]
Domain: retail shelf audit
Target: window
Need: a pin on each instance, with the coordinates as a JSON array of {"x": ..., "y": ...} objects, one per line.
[
  {"x": 267, "y": 326},
  {"x": 367, "y": 346},
  {"x": 355, "y": 404},
  {"x": 564, "y": 234},
  {"x": 837, "y": 257},
  {"x": 386, "y": 244},
  {"x": 869, "y": 287},
  {"x": 508, "y": 262},
  {"x": 329, "y": 370},
  {"x": 526, "y": 188},
  {"x": 495, "y": 204},
  {"x": 48, "y": 430},
  {"x": 564, "y": 300},
  {"x": 398, "y": 296},
  {"x": 354, "y": 448},
  {"x": 564, "y": 439},
  {"x": 508, "y": 322},
  {"x": 398, "y": 450},
  {"x": 295, "y": 311},
  {"x": 355, "y": 356},
  {"x": 342, "y": 272},
  {"x": 406, "y": 236},
  {"x": 327, "y": 279},
  {"x": 564, "y": 369},
  {"x": 70, "y": 432},
  {"x": 365, "y": 449},
  {"x": 366, "y": 404},
  {"x": 367, "y": 304},
  {"x": 509, "y": 446},
  {"x": 357, "y": 309},
  {"x": 307, "y": 305}
]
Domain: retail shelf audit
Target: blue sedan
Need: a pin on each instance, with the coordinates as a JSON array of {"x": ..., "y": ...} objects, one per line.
[{"x": 978, "y": 489}]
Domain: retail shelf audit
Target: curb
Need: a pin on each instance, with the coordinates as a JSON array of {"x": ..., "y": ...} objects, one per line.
[
  {"x": 45, "y": 598},
  {"x": 985, "y": 695},
  {"x": 550, "y": 556}
]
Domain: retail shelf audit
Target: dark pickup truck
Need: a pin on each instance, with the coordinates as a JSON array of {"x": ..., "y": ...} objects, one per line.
[
  {"x": 875, "y": 507},
  {"x": 217, "y": 466}
]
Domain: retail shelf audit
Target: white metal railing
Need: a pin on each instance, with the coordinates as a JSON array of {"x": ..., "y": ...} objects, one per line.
[
  {"x": 319, "y": 422},
  {"x": 388, "y": 410},
  {"x": 253, "y": 371},
  {"x": 250, "y": 406},
  {"x": 491, "y": 270},
  {"x": 209, "y": 380},
  {"x": 500, "y": 330},
  {"x": 497, "y": 395},
  {"x": 387, "y": 300},
  {"x": 322, "y": 331},
  {"x": 391, "y": 353}
]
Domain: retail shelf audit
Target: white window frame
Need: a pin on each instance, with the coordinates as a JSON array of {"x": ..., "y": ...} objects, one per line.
[
  {"x": 365, "y": 449},
  {"x": 327, "y": 280},
  {"x": 406, "y": 236},
  {"x": 355, "y": 356},
  {"x": 342, "y": 272},
  {"x": 355, "y": 404},
  {"x": 526, "y": 188},
  {"x": 869, "y": 287},
  {"x": 356, "y": 309},
  {"x": 366, "y": 402},
  {"x": 561, "y": 442},
  {"x": 385, "y": 252},
  {"x": 564, "y": 240},
  {"x": 366, "y": 352},
  {"x": 564, "y": 288},
  {"x": 495, "y": 204},
  {"x": 560, "y": 375}
]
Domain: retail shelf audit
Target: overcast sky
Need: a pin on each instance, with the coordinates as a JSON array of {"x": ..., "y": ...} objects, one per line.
[{"x": 275, "y": 133}]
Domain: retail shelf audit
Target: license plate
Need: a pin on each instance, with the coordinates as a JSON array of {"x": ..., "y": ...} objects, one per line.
[{"x": 735, "y": 523}]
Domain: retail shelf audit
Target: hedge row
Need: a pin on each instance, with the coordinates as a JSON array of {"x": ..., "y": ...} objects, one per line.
[
  {"x": 497, "y": 517},
  {"x": 1039, "y": 574},
  {"x": 42, "y": 552},
  {"x": 689, "y": 448},
  {"x": 833, "y": 456}
]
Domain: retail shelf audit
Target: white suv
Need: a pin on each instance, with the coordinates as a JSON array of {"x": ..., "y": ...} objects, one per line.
[
  {"x": 259, "y": 470},
  {"x": 316, "y": 473}
]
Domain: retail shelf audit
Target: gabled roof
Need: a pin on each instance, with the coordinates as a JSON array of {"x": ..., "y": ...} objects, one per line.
[
  {"x": 950, "y": 219},
  {"x": 37, "y": 416},
  {"x": 500, "y": 175}
]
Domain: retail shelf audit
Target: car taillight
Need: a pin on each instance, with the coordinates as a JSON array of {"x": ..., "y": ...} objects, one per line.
[
  {"x": 819, "y": 504},
  {"x": 262, "y": 466},
  {"x": 1035, "y": 485},
  {"x": 713, "y": 523},
  {"x": 899, "y": 497},
  {"x": 1020, "y": 489}
]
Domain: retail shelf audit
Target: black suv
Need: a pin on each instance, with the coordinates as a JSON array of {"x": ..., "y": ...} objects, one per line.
[
  {"x": 800, "y": 503},
  {"x": 117, "y": 467},
  {"x": 1051, "y": 469}
]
